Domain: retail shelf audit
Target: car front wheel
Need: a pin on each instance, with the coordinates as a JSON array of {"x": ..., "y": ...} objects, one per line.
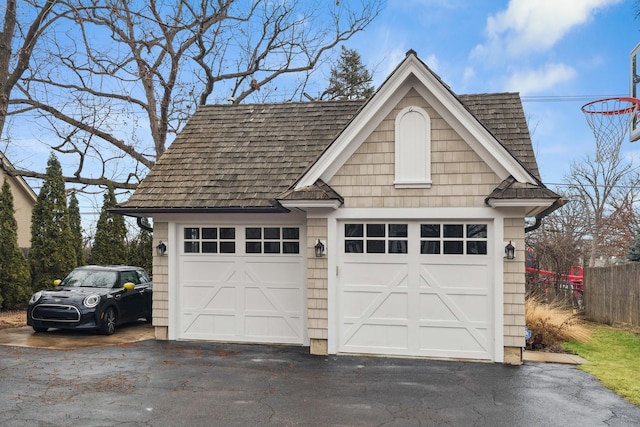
[
  {"x": 108, "y": 325},
  {"x": 40, "y": 329}
]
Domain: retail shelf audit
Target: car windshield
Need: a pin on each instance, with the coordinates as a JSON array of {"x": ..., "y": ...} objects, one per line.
[{"x": 90, "y": 279}]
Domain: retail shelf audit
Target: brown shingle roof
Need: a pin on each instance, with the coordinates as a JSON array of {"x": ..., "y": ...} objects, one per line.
[
  {"x": 243, "y": 156},
  {"x": 512, "y": 189},
  {"x": 318, "y": 191},
  {"x": 502, "y": 114}
]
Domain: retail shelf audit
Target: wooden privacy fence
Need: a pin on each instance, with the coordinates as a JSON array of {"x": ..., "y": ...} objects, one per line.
[{"x": 612, "y": 294}]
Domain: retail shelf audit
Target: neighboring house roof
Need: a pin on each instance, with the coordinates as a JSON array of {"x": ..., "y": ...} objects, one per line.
[
  {"x": 246, "y": 157},
  {"x": 25, "y": 188}
]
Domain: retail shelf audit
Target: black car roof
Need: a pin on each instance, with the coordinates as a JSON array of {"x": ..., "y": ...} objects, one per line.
[{"x": 109, "y": 267}]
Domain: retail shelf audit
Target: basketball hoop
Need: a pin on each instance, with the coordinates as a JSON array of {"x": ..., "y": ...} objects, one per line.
[{"x": 610, "y": 119}]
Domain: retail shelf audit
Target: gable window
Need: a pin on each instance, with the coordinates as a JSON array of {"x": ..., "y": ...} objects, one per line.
[{"x": 413, "y": 148}]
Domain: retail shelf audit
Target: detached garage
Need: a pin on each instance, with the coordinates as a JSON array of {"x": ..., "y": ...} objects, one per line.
[{"x": 370, "y": 227}]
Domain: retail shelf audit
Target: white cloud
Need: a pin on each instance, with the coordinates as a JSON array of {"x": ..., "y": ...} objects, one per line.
[
  {"x": 527, "y": 25},
  {"x": 469, "y": 74},
  {"x": 432, "y": 62},
  {"x": 540, "y": 80}
]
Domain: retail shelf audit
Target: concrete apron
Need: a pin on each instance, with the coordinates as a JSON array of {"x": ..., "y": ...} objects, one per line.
[
  {"x": 59, "y": 339},
  {"x": 546, "y": 357}
]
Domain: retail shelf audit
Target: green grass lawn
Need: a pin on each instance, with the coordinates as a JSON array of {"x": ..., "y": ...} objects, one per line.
[{"x": 614, "y": 359}]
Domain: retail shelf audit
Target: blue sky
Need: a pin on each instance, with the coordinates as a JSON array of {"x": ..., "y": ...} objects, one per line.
[{"x": 540, "y": 48}]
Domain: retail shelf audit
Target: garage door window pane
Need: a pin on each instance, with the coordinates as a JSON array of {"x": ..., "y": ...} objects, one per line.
[
  {"x": 375, "y": 246},
  {"x": 453, "y": 230},
  {"x": 253, "y": 247},
  {"x": 453, "y": 248},
  {"x": 477, "y": 248},
  {"x": 227, "y": 233},
  {"x": 291, "y": 233},
  {"x": 477, "y": 231},
  {"x": 398, "y": 230},
  {"x": 191, "y": 233},
  {"x": 209, "y": 247},
  {"x": 227, "y": 247},
  {"x": 353, "y": 230},
  {"x": 353, "y": 246},
  {"x": 430, "y": 247},
  {"x": 253, "y": 233},
  {"x": 271, "y": 247},
  {"x": 191, "y": 247},
  {"x": 397, "y": 246},
  {"x": 209, "y": 233},
  {"x": 430, "y": 230},
  {"x": 375, "y": 230},
  {"x": 290, "y": 247},
  {"x": 272, "y": 233}
]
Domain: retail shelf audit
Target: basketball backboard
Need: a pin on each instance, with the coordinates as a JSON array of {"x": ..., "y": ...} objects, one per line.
[{"x": 634, "y": 81}]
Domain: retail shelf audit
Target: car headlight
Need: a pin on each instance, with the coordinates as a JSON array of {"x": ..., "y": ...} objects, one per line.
[
  {"x": 35, "y": 297},
  {"x": 91, "y": 301}
]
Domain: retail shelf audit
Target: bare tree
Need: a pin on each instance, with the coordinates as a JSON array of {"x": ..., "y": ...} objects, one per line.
[
  {"x": 120, "y": 77},
  {"x": 559, "y": 243},
  {"x": 18, "y": 40},
  {"x": 605, "y": 191}
]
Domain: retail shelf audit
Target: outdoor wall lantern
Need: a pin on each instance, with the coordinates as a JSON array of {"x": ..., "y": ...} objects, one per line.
[
  {"x": 161, "y": 249},
  {"x": 510, "y": 251},
  {"x": 320, "y": 249}
]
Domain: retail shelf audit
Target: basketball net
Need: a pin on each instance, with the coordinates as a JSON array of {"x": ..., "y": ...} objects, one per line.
[{"x": 609, "y": 119}]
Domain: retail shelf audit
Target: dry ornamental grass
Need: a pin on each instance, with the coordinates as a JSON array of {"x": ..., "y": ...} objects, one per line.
[{"x": 552, "y": 325}]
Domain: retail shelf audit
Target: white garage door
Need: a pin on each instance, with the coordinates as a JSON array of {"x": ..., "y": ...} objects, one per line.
[
  {"x": 241, "y": 283},
  {"x": 420, "y": 288}
]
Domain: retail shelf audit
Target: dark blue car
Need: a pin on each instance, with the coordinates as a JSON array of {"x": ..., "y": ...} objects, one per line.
[{"x": 93, "y": 297}]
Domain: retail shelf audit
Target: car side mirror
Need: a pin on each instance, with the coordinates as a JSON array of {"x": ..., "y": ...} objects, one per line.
[
  {"x": 129, "y": 286},
  {"x": 57, "y": 282}
]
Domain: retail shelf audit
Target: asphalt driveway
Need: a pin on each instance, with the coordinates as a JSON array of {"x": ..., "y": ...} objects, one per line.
[{"x": 167, "y": 383}]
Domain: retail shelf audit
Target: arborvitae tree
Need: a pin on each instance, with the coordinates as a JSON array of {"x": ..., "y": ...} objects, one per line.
[
  {"x": 633, "y": 253},
  {"x": 109, "y": 245},
  {"x": 141, "y": 250},
  {"x": 349, "y": 78},
  {"x": 75, "y": 222},
  {"x": 15, "y": 280},
  {"x": 52, "y": 253}
]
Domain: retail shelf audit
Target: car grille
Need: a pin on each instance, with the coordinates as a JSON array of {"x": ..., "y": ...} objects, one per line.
[{"x": 56, "y": 313}]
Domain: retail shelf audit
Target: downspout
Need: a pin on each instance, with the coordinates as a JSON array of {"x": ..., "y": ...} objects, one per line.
[
  {"x": 555, "y": 205},
  {"x": 143, "y": 226}
]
